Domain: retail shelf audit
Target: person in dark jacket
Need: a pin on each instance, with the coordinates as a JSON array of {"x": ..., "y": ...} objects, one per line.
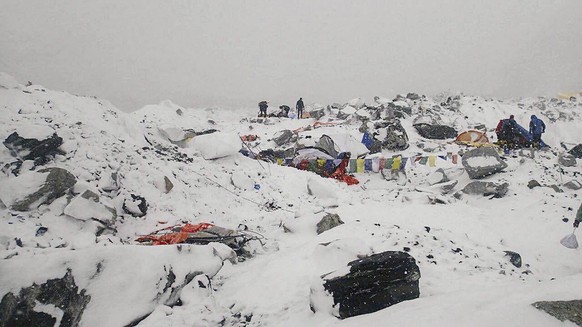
[
  {"x": 299, "y": 106},
  {"x": 263, "y": 109},
  {"x": 536, "y": 128},
  {"x": 506, "y": 130}
]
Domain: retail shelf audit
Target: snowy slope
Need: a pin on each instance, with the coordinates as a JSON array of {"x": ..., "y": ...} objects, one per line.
[{"x": 466, "y": 278}]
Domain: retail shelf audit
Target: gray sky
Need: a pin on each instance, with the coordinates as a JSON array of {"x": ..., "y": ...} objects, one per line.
[{"x": 236, "y": 53}]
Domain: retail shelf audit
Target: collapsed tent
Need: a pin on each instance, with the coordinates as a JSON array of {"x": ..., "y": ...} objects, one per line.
[
  {"x": 523, "y": 138},
  {"x": 202, "y": 233},
  {"x": 472, "y": 137},
  {"x": 311, "y": 153},
  {"x": 338, "y": 143}
]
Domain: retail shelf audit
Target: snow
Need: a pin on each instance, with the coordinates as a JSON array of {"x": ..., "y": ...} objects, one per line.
[
  {"x": 17, "y": 189},
  {"x": 475, "y": 286},
  {"x": 216, "y": 145},
  {"x": 39, "y": 132},
  {"x": 482, "y": 161}
]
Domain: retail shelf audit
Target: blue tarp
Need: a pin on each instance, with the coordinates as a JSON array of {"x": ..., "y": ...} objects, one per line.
[{"x": 525, "y": 133}]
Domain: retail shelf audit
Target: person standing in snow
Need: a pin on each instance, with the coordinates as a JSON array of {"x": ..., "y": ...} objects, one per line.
[
  {"x": 299, "y": 106},
  {"x": 536, "y": 128},
  {"x": 506, "y": 130},
  {"x": 578, "y": 218},
  {"x": 263, "y": 109}
]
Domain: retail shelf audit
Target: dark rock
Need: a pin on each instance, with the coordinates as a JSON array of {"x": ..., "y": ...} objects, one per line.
[
  {"x": 39, "y": 151},
  {"x": 533, "y": 183},
  {"x": 439, "y": 132},
  {"x": 328, "y": 222},
  {"x": 567, "y": 160},
  {"x": 283, "y": 137},
  {"x": 179, "y": 112},
  {"x": 374, "y": 283},
  {"x": 169, "y": 184},
  {"x": 514, "y": 258},
  {"x": 317, "y": 113},
  {"x": 482, "y": 162},
  {"x": 136, "y": 206},
  {"x": 413, "y": 96},
  {"x": 562, "y": 310},
  {"x": 573, "y": 185},
  {"x": 486, "y": 188},
  {"x": 437, "y": 177},
  {"x": 576, "y": 151},
  {"x": 396, "y": 137},
  {"x": 57, "y": 182},
  {"x": 556, "y": 188},
  {"x": 19, "y": 310}
]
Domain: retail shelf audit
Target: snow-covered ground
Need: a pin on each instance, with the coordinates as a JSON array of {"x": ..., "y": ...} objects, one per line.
[{"x": 458, "y": 243}]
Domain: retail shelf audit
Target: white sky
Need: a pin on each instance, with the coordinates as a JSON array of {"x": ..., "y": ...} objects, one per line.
[{"x": 236, "y": 53}]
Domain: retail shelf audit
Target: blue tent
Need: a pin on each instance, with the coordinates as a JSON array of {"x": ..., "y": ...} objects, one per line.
[{"x": 528, "y": 137}]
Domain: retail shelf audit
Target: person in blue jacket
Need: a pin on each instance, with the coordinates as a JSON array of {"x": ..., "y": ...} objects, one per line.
[{"x": 536, "y": 128}]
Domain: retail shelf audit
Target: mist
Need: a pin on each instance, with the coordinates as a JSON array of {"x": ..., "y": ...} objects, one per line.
[{"x": 237, "y": 53}]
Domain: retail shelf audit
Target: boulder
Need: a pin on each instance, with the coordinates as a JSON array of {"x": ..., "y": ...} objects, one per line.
[
  {"x": 86, "y": 206},
  {"x": 373, "y": 283},
  {"x": 573, "y": 185},
  {"x": 328, "y": 222},
  {"x": 30, "y": 190},
  {"x": 482, "y": 162},
  {"x": 413, "y": 96},
  {"x": 317, "y": 113},
  {"x": 437, "y": 177},
  {"x": 446, "y": 187},
  {"x": 576, "y": 151},
  {"x": 567, "y": 160},
  {"x": 514, "y": 258},
  {"x": 168, "y": 183},
  {"x": 108, "y": 181},
  {"x": 26, "y": 307},
  {"x": 115, "y": 285},
  {"x": 28, "y": 147},
  {"x": 439, "y": 132},
  {"x": 533, "y": 183},
  {"x": 135, "y": 206},
  {"x": 396, "y": 137},
  {"x": 498, "y": 190},
  {"x": 283, "y": 137},
  {"x": 562, "y": 310}
]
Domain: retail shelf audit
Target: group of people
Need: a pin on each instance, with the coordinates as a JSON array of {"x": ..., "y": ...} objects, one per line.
[
  {"x": 284, "y": 112},
  {"x": 508, "y": 134}
]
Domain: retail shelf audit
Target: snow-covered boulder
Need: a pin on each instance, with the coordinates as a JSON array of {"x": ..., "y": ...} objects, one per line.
[
  {"x": 242, "y": 181},
  {"x": 30, "y": 190},
  {"x": 436, "y": 177},
  {"x": 357, "y": 103},
  {"x": 216, "y": 145},
  {"x": 86, "y": 206},
  {"x": 567, "y": 160},
  {"x": 372, "y": 283},
  {"x": 135, "y": 205},
  {"x": 486, "y": 188},
  {"x": 328, "y": 222},
  {"x": 482, "y": 162},
  {"x": 101, "y": 286}
]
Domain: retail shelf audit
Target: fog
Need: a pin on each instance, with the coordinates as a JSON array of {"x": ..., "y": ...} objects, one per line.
[{"x": 236, "y": 53}]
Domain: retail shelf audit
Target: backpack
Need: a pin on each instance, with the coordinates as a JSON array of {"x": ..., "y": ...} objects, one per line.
[{"x": 499, "y": 126}]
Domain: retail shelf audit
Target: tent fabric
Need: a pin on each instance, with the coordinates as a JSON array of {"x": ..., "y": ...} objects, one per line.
[
  {"x": 311, "y": 153},
  {"x": 472, "y": 137},
  {"x": 327, "y": 143}
]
